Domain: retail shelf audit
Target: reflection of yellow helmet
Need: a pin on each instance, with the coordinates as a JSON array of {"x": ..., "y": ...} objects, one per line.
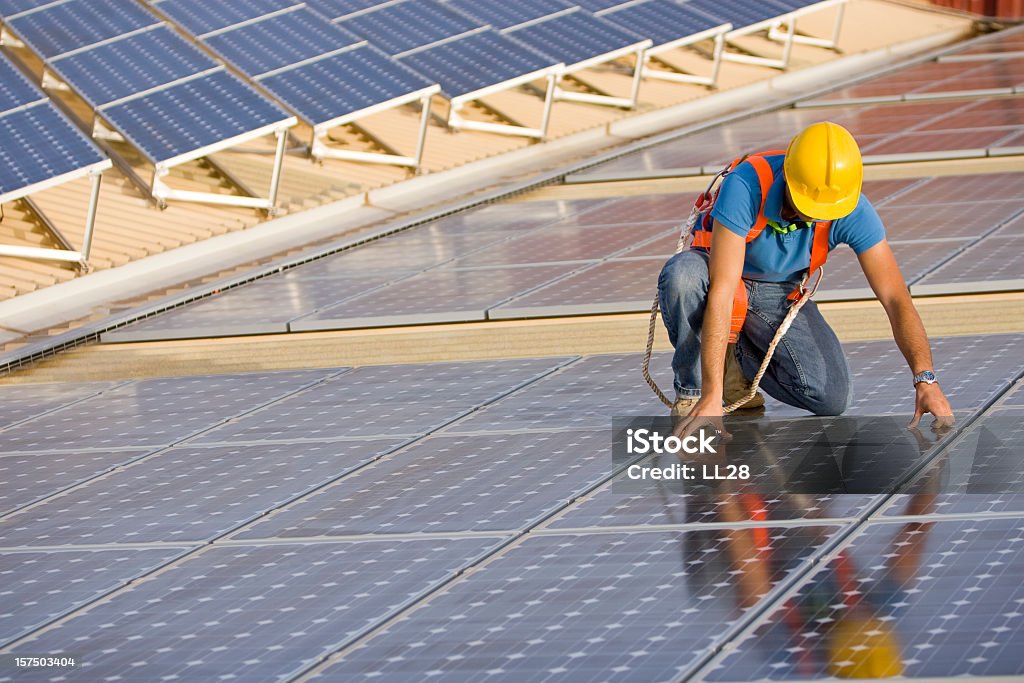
[
  {"x": 863, "y": 648},
  {"x": 824, "y": 171}
]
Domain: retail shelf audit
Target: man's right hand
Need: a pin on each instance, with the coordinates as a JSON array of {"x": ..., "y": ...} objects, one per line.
[{"x": 707, "y": 411}]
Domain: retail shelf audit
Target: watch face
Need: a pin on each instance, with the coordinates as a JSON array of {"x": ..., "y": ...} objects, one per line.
[{"x": 926, "y": 376}]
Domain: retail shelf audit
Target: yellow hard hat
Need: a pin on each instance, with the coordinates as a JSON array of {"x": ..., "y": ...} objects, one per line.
[
  {"x": 824, "y": 171},
  {"x": 863, "y": 648}
]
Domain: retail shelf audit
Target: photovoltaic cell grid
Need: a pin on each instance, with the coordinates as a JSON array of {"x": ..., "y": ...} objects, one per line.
[
  {"x": 320, "y": 70},
  {"x": 203, "y": 16},
  {"x": 152, "y": 412},
  {"x": 279, "y": 40},
  {"x": 220, "y": 107},
  {"x": 21, "y": 402},
  {"x": 477, "y": 61},
  {"x": 981, "y": 473},
  {"x": 504, "y": 15},
  {"x": 541, "y": 611},
  {"x": 67, "y": 26},
  {"x": 332, "y": 280},
  {"x": 666, "y": 22},
  {"x": 214, "y": 490},
  {"x": 131, "y": 65},
  {"x": 42, "y": 585},
  {"x": 402, "y": 26},
  {"x": 310, "y": 599},
  {"x": 947, "y": 602},
  {"x": 576, "y": 37},
  {"x": 935, "y": 78},
  {"x": 337, "y": 9},
  {"x": 448, "y": 484},
  {"x": 693, "y": 575},
  {"x": 900, "y": 128},
  {"x": 383, "y": 401},
  {"x": 181, "y": 102},
  {"x": 37, "y": 143}
]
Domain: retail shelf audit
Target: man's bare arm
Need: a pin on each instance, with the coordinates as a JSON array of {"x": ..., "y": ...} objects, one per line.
[
  {"x": 726, "y": 267},
  {"x": 883, "y": 274}
]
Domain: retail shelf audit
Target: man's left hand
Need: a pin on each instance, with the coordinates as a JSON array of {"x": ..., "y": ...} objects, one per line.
[{"x": 930, "y": 399}]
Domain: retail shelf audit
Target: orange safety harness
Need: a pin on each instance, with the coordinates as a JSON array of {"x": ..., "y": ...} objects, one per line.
[
  {"x": 688, "y": 237},
  {"x": 702, "y": 237}
]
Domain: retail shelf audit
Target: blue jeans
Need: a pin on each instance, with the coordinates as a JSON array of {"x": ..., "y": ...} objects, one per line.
[{"x": 808, "y": 370}]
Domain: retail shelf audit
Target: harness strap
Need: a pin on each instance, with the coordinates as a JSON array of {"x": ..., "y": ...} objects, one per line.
[{"x": 765, "y": 179}]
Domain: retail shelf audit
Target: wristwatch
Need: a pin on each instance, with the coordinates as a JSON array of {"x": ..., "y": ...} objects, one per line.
[{"x": 927, "y": 376}]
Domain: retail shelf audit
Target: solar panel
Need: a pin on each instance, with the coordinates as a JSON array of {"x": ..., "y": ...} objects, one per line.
[
  {"x": 385, "y": 401},
  {"x": 477, "y": 61},
  {"x": 15, "y": 89},
  {"x": 556, "y": 243},
  {"x": 845, "y": 277},
  {"x": 979, "y": 189},
  {"x": 984, "y": 113},
  {"x": 932, "y": 610},
  {"x": 981, "y": 473},
  {"x": 337, "y": 9},
  {"x": 131, "y": 65},
  {"x": 215, "y": 490},
  {"x": 610, "y": 287},
  {"x": 576, "y": 37},
  {"x": 743, "y": 14},
  {"x": 343, "y": 85},
  {"x": 153, "y": 412},
  {"x": 279, "y": 41},
  {"x": 263, "y": 307},
  {"x": 219, "y": 107},
  {"x": 12, "y": 7},
  {"x": 665, "y": 21},
  {"x": 203, "y": 16},
  {"x": 993, "y": 263},
  {"x": 450, "y": 484},
  {"x": 52, "y": 583},
  {"x": 26, "y": 478},
  {"x": 541, "y": 611},
  {"x": 402, "y": 26},
  {"x": 585, "y": 394},
  {"x": 309, "y": 598},
  {"x": 599, "y": 5},
  {"x": 502, "y": 15},
  {"x": 39, "y": 144},
  {"x": 20, "y": 402},
  {"x": 75, "y": 24},
  {"x": 435, "y": 296}
]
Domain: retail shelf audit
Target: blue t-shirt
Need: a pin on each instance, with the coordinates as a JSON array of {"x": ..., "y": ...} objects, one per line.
[{"x": 777, "y": 257}]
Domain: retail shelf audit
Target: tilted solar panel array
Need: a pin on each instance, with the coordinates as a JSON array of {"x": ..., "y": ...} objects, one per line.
[
  {"x": 38, "y": 145},
  {"x": 162, "y": 94},
  {"x": 324, "y": 73}
]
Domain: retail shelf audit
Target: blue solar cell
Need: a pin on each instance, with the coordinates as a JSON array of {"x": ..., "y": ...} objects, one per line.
[
  {"x": 280, "y": 40},
  {"x": 203, "y": 16},
  {"x": 575, "y": 37},
  {"x": 408, "y": 25},
  {"x": 342, "y": 84},
  {"x": 11, "y": 7},
  {"x": 739, "y": 14},
  {"x": 131, "y": 65},
  {"x": 501, "y": 14},
  {"x": 336, "y": 9},
  {"x": 664, "y": 21},
  {"x": 38, "y": 143},
  {"x": 15, "y": 88},
  {"x": 598, "y": 5},
  {"x": 75, "y": 24},
  {"x": 475, "y": 62},
  {"x": 192, "y": 115}
]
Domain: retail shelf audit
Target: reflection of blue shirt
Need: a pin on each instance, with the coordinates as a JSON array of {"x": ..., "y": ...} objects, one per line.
[{"x": 775, "y": 257}]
